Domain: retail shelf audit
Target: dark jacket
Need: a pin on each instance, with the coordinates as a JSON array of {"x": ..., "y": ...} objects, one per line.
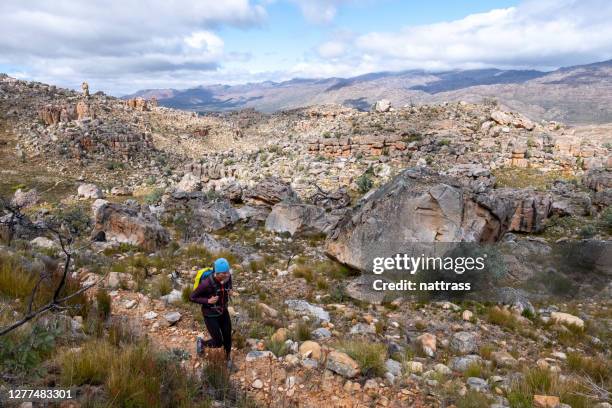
[{"x": 208, "y": 288}]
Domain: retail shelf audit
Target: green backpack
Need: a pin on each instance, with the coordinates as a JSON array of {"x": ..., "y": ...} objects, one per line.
[{"x": 202, "y": 274}]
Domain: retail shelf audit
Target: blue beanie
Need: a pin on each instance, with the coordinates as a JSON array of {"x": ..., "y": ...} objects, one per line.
[{"x": 221, "y": 265}]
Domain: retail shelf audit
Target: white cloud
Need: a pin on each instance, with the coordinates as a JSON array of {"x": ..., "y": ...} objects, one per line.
[
  {"x": 68, "y": 41},
  {"x": 319, "y": 11},
  {"x": 537, "y": 33},
  {"x": 331, "y": 49}
]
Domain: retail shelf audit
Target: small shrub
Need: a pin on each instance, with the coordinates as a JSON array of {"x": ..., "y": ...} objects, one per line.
[
  {"x": 162, "y": 285},
  {"x": 154, "y": 196},
  {"x": 364, "y": 182},
  {"x": 502, "y": 317},
  {"x": 473, "y": 399},
  {"x": 598, "y": 369},
  {"x": 370, "y": 356},
  {"x": 606, "y": 220},
  {"x": 587, "y": 231},
  {"x": 103, "y": 304},
  {"x": 486, "y": 350},
  {"x": 186, "y": 293},
  {"x": 303, "y": 331},
  {"x": 279, "y": 348},
  {"x": 22, "y": 350}
]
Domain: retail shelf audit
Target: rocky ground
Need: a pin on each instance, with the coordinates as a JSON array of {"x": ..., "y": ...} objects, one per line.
[{"x": 298, "y": 201}]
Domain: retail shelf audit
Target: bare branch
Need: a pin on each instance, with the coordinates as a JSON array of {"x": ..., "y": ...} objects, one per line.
[{"x": 55, "y": 303}]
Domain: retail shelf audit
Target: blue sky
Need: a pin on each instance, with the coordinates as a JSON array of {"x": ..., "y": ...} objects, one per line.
[{"x": 120, "y": 46}]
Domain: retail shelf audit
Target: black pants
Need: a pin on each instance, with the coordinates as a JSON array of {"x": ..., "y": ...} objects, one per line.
[{"x": 220, "y": 329}]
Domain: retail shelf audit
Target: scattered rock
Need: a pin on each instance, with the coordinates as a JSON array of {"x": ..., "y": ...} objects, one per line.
[
  {"x": 477, "y": 384},
  {"x": 44, "y": 242},
  {"x": 258, "y": 355},
  {"x": 321, "y": 333},
  {"x": 427, "y": 343},
  {"x": 567, "y": 319},
  {"x": 394, "y": 367},
  {"x": 342, "y": 364},
  {"x": 310, "y": 349},
  {"x": 545, "y": 401},
  {"x": 302, "y": 306},
  {"x": 461, "y": 364},
  {"x": 503, "y": 359},
  {"x": 172, "y": 317},
  {"x": 464, "y": 342}
]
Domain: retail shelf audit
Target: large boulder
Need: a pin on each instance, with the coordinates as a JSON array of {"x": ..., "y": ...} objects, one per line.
[
  {"x": 121, "y": 223},
  {"x": 383, "y": 105},
  {"x": 189, "y": 183},
  {"x": 269, "y": 192},
  {"x": 25, "y": 199},
  {"x": 417, "y": 206},
  {"x": 300, "y": 219},
  {"x": 520, "y": 210},
  {"x": 88, "y": 190},
  {"x": 331, "y": 200},
  {"x": 198, "y": 213}
]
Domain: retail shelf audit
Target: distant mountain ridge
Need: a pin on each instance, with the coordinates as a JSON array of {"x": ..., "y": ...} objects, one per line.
[{"x": 576, "y": 94}]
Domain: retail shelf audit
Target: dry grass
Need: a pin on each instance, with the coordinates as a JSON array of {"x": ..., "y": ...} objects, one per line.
[
  {"x": 544, "y": 382},
  {"x": 370, "y": 356},
  {"x": 132, "y": 376},
  {"x": 15, "y": 281}
]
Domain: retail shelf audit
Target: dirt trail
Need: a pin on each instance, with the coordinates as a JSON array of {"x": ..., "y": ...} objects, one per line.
[{"x": 314, "y": 388}]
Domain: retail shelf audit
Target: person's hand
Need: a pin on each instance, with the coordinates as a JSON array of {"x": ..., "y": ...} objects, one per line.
[
  {"x": 230, "y": 292},
  {"x": 213, "y": 300}
]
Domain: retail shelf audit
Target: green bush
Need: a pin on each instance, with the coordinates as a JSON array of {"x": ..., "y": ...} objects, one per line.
[
  {"x": 22, "y": 351},
  {"x": 364, "y": 182},
  {"x": 154, "y": 196}
]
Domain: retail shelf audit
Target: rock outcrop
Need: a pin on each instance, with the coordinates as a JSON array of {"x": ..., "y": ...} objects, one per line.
[
  {"x": 121, "y": 223},
  {"x": 269, "y": 192},
  {"x": 300, "y": 219}
]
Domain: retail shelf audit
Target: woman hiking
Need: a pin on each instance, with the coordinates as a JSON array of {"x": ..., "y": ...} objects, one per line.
[{"x": 213, "y": 288}]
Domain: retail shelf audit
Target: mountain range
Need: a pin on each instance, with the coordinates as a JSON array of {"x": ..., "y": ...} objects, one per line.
[{"x": 578, "y": 94}]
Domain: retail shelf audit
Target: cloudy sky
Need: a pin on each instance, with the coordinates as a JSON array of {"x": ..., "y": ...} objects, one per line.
[{"x": 120, "y": 46}]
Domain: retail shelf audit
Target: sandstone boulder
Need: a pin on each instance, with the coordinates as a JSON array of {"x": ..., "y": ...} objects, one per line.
[
  {"x": 301, "y": 306},
  {"x": 83, "y": 111},
  {"x": 89, "y": 190},
  {"x": 269, "y": 192},
  {"x": 567, "y": 319},
  {"x": 341, "y": 363},
  {"x": 383, "y": 105},
  {"x": 189, "y": 183},
  {"x": 519, "y": 210},
  {"x": 417, "y": 206},
  {"x": 300, "y": 219},
  {"x": 310, "y": 349},
  {"x": 120, "y": 223},
  {"x": 198, "y": 213},
  {"x": 25, "y": 199},
  {"x": 427, "y": 343}
]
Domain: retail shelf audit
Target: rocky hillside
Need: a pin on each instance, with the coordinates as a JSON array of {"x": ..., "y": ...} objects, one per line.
[
  {"x": 578, "y": 94},
  {"x": 300, "y": 201}
]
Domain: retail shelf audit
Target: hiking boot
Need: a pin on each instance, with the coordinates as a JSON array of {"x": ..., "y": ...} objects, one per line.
[{"x": 199, "y": 345}]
